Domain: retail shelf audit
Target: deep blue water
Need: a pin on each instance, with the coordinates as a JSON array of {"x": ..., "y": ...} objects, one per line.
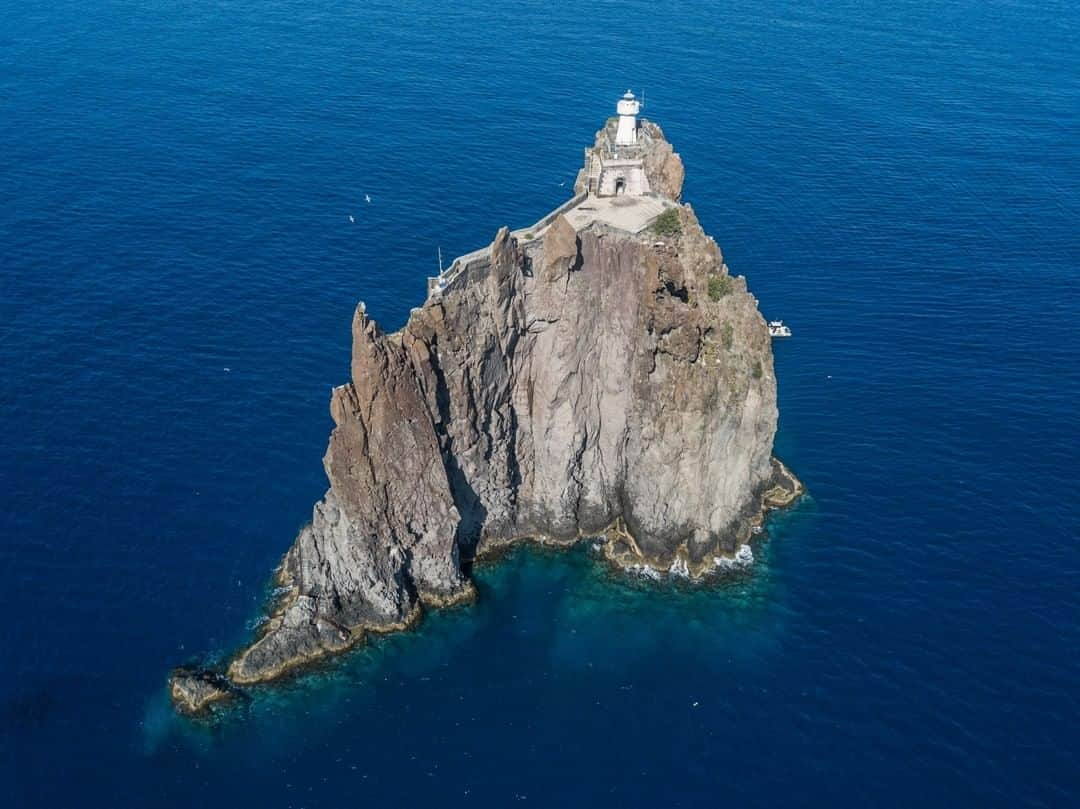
[{"x": 899, "y": 181}]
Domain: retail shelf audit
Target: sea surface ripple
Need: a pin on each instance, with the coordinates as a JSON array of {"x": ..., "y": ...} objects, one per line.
[{"x": 900, "y": 182}]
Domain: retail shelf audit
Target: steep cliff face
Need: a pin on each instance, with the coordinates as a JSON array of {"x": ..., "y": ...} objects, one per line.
[{"x": 581, "y": 380}]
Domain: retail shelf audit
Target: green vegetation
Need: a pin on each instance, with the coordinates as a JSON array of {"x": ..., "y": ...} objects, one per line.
[
  {"x": 529, "y": 235},
  {"x": 727, "y": 336},
  {"x": 756, "y": 370},
  {"x": 719, "y": 286},
  {"x": 668, "y": 223}
]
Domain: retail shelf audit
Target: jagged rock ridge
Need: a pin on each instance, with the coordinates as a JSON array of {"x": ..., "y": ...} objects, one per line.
[{"x": 586, "y": 377}]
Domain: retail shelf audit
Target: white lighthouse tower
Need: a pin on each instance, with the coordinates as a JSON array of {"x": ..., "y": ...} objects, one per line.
[{"x": 628, "y": 108}]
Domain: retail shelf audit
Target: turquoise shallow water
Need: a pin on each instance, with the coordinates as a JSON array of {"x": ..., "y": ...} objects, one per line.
[
  {"x": 556, "y": 649},
  {"x": 899, "y": 182}
]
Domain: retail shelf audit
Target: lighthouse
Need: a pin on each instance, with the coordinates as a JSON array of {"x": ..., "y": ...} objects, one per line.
[
  {"x": 628, "y": 108},
  {"x": 616, "y": 166}
]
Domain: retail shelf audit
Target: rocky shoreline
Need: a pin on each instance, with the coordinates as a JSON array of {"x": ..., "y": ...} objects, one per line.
[
  {"x": 196, "y": 690},
  {"x": 599, "y": 375},
  {"x": 621, "y": 550}
]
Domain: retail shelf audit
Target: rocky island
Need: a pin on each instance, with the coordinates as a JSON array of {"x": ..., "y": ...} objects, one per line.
[{"x": 599, "y": 374}]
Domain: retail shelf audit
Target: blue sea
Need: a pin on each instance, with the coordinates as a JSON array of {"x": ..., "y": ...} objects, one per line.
[{"x": 899, "y": 181}]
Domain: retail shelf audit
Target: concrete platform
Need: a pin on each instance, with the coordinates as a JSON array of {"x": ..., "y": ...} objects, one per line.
[
  {"x": 629, "y": 213},
  {"x": 632, "y": 214}
]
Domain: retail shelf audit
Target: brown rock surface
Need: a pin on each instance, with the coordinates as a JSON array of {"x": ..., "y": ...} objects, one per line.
[
  {"x": 563, "y": 385},
  {"x": 194, "y": 691}
]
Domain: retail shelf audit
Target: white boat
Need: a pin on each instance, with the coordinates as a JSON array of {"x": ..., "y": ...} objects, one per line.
[{"x": 778, "y": 329}]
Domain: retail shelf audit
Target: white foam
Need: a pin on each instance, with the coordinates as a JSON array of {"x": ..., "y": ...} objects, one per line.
[
  {"x": 646, "y": 571},
  {"x": 256, "y": 622},
  {"x": 744, "y": 557},
  {"x": 679, "y": 568}
]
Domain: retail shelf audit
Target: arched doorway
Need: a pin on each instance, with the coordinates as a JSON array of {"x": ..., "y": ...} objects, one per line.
[{"x": 620, "y": 186}]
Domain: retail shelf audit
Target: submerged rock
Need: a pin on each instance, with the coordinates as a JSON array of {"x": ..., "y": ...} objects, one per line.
[{"x": 599, "y": 374}]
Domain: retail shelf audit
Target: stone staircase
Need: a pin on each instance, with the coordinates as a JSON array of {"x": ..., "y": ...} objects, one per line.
[{"x": 596, "y": 167}]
